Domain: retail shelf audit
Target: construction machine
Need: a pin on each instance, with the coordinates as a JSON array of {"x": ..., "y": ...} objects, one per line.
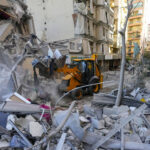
[{"x": 81, "y": 72}]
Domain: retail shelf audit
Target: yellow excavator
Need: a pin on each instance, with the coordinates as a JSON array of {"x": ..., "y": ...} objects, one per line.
[{"x": 81, "y": 72}]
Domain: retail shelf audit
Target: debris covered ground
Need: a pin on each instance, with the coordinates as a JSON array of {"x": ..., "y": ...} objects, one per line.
[
  {"x": 33, "y": 123},
  {"x": 29, "y": 116}
]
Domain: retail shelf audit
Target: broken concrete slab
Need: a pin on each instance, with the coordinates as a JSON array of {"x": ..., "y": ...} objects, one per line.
[
  {"x": 83, "y": 119},
  {"x": 135, "y": 92},
  {"x": 20, "y": 108},
  {"x": 98, "y": 124},
  {"x": 73, "y": 123},
  {"x": 11, "y": 118},
  {"x": 4, "y": 144},
  {"x": 119, "y": 126},
  {"x": 109, "y": 100},
  {"x": 132, "y": 137},
  {"x": 35, "y": 129},
  {"x": 18, "y": 98},
  {"x": 61, "y": 142},
  {"x": 90, "y": 138},
  {"x": 108, "y": 121},
  {"x": 22, "y": 122},
  {"x": 138, "y": 121},
  {"x": 88, "y": 110},
  {"x": 30, "y": 118},
  {"x": 115, "y": 110}
]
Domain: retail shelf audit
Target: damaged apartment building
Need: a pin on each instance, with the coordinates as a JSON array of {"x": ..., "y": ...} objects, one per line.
[
  {"x": 78, "y": 29},
  {"x": 14, "y": 18},
  {"x": 16, "y": 24}
]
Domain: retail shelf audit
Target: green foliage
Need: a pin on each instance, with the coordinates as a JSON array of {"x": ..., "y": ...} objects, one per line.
[{"x": 129, "y": 58}]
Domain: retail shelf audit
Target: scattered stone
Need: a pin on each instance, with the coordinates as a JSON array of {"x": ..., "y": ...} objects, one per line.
[
  {"x": 4, "y": 144},
  {"x": 88, "y": 110},
  {"x": 12, "y": 118},
  {"x": 97, "y": 124},
  {"x": 35, "y": 129},
  {"x": 83, "y": 119},
  {"x": 30, "y": 118},
  {"x": 22, "y": 122},
  {"x": 108, "y": 121}
]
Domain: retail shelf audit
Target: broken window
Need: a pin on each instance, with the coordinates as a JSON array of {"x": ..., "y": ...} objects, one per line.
[
  {"x": 103, "y": 31},
  {"x": 106, "y": 17},
  {"x": 103, "y": 48}
]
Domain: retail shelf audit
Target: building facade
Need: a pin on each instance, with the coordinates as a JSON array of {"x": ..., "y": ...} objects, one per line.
[
  {"x": 135, "y": 27},
  {"x": 145, "y": 37},
  {"x": 120, "y": 11}
]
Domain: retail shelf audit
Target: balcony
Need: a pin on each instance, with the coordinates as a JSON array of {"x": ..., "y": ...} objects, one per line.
[
  {"x": 138, "y": 8},
  {"x": 136, "y": 1},
  {"x": 135, "y": 16},
  {"x": 135, "y": 24},
  {"x": 136, "y": 38},
  {"x": 135, "y": 31},
  {"x": 130, "y": 46}
]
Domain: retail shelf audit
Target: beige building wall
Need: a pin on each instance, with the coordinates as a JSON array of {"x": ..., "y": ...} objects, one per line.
[{"x": 52, "y": 18}]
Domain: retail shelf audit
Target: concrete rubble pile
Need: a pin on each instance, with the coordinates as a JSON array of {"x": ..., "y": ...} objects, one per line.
[
  {"x": 15, "y": 25},
  {"x": 102, "y": 127},
  {"x": 35, "y": 126},
  {"x": 18, "y": 48},
  {"x": 28, "y": 117}
]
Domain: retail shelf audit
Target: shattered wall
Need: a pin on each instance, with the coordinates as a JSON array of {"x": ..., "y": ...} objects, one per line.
[{"x": 8, "y": 79}]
